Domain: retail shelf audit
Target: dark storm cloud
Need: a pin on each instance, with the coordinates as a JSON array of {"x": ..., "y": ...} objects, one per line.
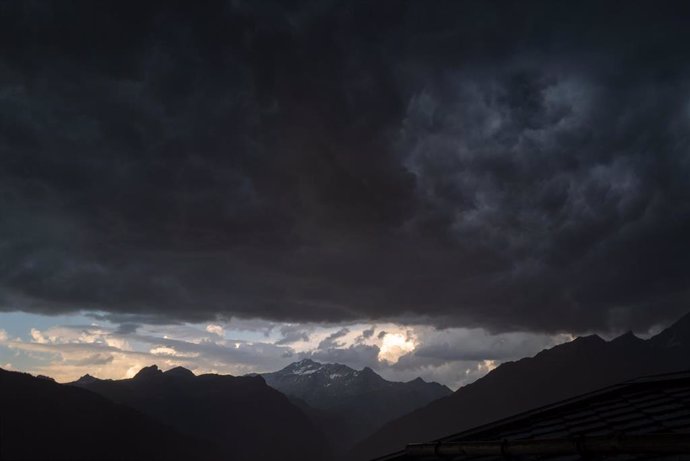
[
  {"x": 292, "y": 334},
  {"x": 331, "y": 341},
  {"x": 127, "y": 328},
  {"x": 366, "y": 334},
  {"x": 514, "y": 165}
]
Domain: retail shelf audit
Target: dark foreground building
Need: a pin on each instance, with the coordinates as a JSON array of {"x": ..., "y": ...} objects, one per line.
[{"x": 647, "y": 418}]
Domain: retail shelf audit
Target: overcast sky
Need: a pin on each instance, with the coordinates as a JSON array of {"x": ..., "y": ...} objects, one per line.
[{"x": 503, "y": 171}]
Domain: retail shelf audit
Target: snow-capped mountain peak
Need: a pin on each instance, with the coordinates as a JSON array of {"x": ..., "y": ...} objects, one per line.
[
  {"x": 362, "y": 398},
  {"x": 308, "y": 367},
  {"x": 303, "y": 367},
  {"x": 327, "y": 384}
]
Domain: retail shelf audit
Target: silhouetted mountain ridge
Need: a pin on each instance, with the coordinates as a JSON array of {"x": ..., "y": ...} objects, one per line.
[
  {"x": 240, "y": 414},
  {"x": 181, "y": 372},
  {"x": 41, "y": 419},
  {"x": 582, "y": 365},
  {"x": 148, "y": 372},
  {"x": 86, "y": 379}
]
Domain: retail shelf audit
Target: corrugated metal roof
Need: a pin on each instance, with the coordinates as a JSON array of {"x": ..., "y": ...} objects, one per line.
[{"x": 652, "y": 405}]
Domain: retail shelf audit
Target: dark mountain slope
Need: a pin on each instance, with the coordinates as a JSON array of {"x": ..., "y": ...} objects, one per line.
[
  {"x": 348, "y": 403},
  {"x": 246, "y": 418},
  {"x": 583, "y": 365},
  {"x": 40, "y": 419}
]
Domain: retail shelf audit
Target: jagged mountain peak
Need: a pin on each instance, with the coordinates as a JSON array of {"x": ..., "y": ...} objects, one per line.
[
  {"x": 83, "y": 425},
  {"x": 86, "y": 379},
  {"x": 589, "y": 339},
  {"x": 579, "y": 345},
  {"x": 200, "y": 406},
  {"x": 310, "y": 367},
  {"x": 302, "y": 366},
  {"x": 626, "y": 338},
  {"x": 148, "y": 372},
  {"x": 361, "y": 399},
  {"x": 323, "y": 377},
  {"x": 675, "y": 336},
  {"x": 180, "y": 372}
]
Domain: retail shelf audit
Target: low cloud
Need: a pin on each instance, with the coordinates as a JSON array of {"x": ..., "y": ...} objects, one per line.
[
  {"x": 461, "y": 344},
  {"x": 215, "y": 329},
  {"x": 91, "y": 360},
  {"x": 398, "y": 352},
  {"x": 292, "y": 334},
  {"x": 332, "y": 341}
]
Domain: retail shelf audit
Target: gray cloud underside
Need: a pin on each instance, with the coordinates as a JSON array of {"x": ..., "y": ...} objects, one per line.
[
  {"x": 513, "y": 165},
  {"x": 453, "y": 357}
]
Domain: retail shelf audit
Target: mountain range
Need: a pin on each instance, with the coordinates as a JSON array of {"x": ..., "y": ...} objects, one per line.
[
  {"x": 176, "y": 414},
  {"x": 308, "y": 410},
  {"x": 238, "y": 414},
  {"x": 350, "y": 404},
  {"x": 41, "y": 419},
  {"x": 564, "y": 371}
]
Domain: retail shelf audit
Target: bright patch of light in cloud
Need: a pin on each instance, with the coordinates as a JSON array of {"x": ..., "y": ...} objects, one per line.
[
  {"x": 487, "y": 365},
  {"x": 215, "y": 329},
  {"x": 162, "y": 350},
  {"x": 394, "y": 346},
  {"x": 37, "y": 336},
  {"x": 133, "y": 370},
  {"x": 170, "y": 351}
]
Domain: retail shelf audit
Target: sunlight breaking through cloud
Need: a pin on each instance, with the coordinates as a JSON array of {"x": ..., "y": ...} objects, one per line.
[
  {"x": 215, "y": 329},
  {"x": 454, "y": 356},
  {"x": 394, "y": 346}
]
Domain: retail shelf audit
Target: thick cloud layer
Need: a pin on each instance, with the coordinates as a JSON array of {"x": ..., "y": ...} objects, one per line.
[{"x": 512, "y": 165}]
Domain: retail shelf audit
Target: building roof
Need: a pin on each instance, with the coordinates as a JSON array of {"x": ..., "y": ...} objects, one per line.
[{"x": 632, "y": 410}]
